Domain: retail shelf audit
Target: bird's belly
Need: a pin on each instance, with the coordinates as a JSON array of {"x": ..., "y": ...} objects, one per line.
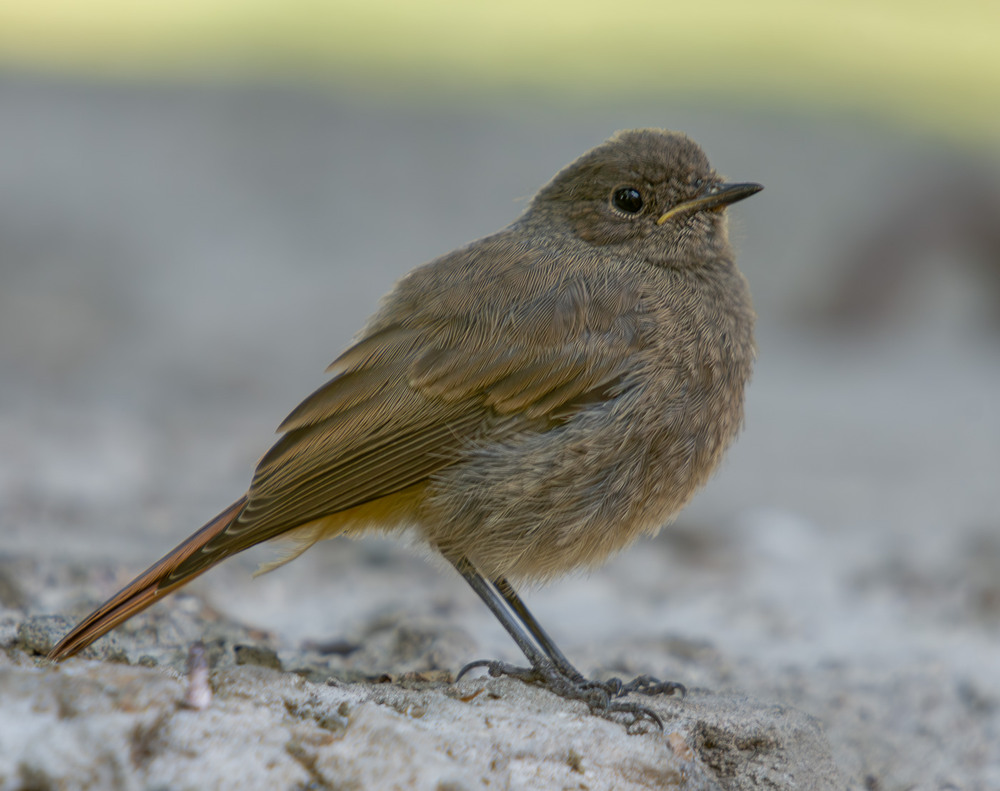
[{"x": 541, "y": 504}]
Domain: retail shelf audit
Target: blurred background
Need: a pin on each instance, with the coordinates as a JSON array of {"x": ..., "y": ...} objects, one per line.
[{"x": 201, "y": 202}]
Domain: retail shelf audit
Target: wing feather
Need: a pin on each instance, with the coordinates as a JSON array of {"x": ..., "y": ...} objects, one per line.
[{"x": 432, "y": 376}]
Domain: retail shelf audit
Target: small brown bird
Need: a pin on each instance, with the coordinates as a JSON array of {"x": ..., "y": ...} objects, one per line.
[{"x": 530, "y": 403}]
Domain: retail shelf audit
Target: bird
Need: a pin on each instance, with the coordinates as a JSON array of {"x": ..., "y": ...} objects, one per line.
[{"x": 530, "y": 404}]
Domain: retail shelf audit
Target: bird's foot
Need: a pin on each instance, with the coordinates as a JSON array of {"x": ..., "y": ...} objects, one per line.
[
  {"x": 643, "y": 685},
  {"x": 601, "y": 697}
]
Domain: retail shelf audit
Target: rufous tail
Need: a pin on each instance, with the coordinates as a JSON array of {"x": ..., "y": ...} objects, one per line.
[{"x": 150, "y": 586}]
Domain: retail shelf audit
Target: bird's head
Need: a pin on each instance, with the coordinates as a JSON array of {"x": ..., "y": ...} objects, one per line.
[{"x": 650, "y": 191}]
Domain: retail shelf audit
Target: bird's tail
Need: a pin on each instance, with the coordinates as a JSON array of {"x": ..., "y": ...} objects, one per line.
[{"x": 150, "y": 586}]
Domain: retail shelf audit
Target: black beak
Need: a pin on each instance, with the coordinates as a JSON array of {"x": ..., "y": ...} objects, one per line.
[{"x": 716, "y": 198}]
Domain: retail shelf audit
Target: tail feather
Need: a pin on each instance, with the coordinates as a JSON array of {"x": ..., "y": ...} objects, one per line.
[{"x": 150, "y": 586}]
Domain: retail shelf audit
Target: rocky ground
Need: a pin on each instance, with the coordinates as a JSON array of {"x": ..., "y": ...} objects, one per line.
[{"x": 177, "y": 265}]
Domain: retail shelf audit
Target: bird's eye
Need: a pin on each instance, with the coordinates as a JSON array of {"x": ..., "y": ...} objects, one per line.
[
  {"x": 698, "y": 183},
  {"x": 628, "y": 199}
]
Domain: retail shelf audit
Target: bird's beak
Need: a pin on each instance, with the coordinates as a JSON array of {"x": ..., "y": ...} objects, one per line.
[{"x": 718, "y": 196}]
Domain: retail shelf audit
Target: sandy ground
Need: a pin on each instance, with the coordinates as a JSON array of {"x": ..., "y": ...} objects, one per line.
[{"x": 177, "y": 266}]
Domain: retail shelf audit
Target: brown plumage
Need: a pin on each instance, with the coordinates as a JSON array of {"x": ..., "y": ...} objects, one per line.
[{"x": 530, "y": 403}]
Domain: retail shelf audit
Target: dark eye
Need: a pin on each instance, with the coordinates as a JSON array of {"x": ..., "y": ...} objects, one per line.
[{"x": 627, "y": 199}]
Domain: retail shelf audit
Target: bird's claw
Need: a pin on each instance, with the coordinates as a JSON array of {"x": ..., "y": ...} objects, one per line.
[
  {"x": 645, "y": 685},
  {"x": 601, "y": 697}
]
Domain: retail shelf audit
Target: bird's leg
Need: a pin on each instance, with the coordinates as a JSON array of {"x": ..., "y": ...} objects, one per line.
[
  {"x": 514, "y": 629},
  {"x": 549, "y": 666},
  {"x": 506, "y": 590},
  {"x": 646, "y": 685}
]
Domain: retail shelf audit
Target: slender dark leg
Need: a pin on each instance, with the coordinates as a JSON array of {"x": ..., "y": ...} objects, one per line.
[
  {"x": 541, "y": 636},
  {"x": 614, "y": 686},
  {"x": 489, "y": 597},
  {"x": 549, "y": 666}
]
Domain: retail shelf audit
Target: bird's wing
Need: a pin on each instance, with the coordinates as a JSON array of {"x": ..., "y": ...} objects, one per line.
[{"x": 428, "y": 380}]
